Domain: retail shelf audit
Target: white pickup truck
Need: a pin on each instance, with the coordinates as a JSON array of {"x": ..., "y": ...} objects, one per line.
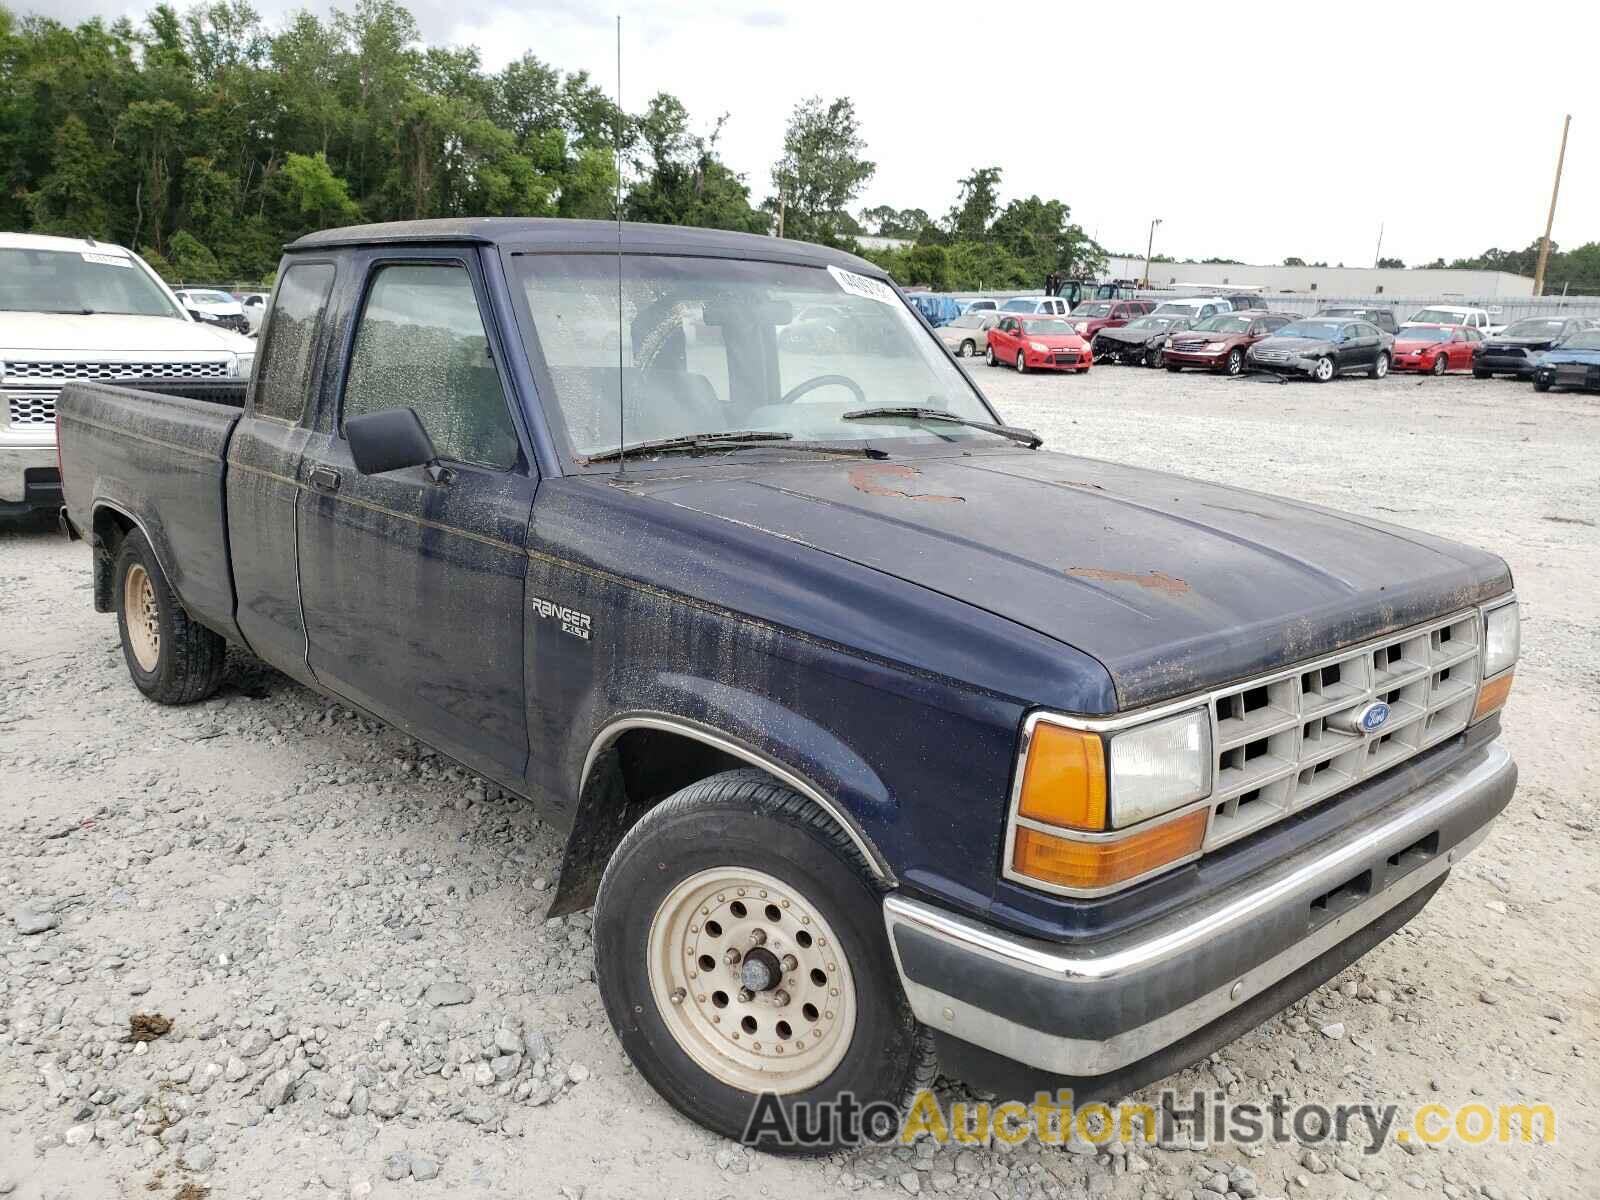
[{"x": 75, "y": 310}]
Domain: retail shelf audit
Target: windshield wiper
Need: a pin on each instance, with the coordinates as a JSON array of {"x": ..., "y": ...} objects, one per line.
[
  {"x": 691, "y": 442},
  {"x": 1027, "y": 437}
]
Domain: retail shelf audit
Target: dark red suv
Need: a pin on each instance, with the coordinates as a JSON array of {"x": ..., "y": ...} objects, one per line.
[{"x": 1091, "y": 316}]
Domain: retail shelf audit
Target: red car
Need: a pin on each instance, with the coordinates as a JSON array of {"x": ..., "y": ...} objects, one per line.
[
  {"x": 1091, "y": 316},
  {"x": 1037, "y": 344},
  {"x": 1435, "y": 348}
]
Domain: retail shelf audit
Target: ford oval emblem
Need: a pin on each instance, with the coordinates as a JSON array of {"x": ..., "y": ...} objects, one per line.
[{"x": 1373, "y": 716}]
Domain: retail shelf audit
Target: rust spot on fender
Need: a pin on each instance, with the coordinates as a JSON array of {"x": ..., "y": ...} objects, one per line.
[
  {"x": 870, "y": 479},
  {"x": 1158, "y": 581}
]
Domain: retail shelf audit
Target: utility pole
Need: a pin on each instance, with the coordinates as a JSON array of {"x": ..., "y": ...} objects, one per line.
[
  {"x": 1149, "y": 248},
  {"x": 1550, "y": 221},
  {"x": 1377, "y": 256}
]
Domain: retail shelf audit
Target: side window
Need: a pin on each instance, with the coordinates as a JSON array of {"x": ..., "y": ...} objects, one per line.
[
  {"x": 285, "y": 372},
  {"x": 421, "y": 344},
  {"x": 1352, "y": 331}
]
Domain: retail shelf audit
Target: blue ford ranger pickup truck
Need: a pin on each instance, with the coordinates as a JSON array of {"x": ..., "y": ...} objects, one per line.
[{"x": 884, "y": 737}]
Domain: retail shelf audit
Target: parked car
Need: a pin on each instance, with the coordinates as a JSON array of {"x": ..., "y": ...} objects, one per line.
[
  {"x": 1435, "y": 348},
  {"x": 901, "y": 752},
  {"x": 1220, "y": 343},
  {"x": 1575, "y": 363},
  {"x": 1246, "y": 301},
  {"x": 981, "y": 305},
  {"x": 1036, "y": 344},
  {"x": 1515, "y": 350},
  {"x": 1450, "y": 314},
  {"x": 1196, "y": 308},
  {"x": 255, "y": 307},
  {"x": 79, "y": 309},
  {"x": 1322, "y": 347},
  {"x": 212, "y": 307},
  {"x": 967, "y": 332},
  {"x": 1141, "y": 341},
  {"x": 1383, "y": 318},
  {"x": 1056, "y": 306},
  {"x": 1091, "y": 316}
]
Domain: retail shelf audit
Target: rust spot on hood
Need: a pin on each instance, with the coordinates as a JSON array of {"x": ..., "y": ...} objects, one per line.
[
  {"x": 1158, "y": 581},
  {"x": 870, "y": 479}
]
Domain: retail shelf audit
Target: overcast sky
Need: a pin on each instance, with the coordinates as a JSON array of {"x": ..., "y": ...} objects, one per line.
[{"x": 1253, "y": 131}]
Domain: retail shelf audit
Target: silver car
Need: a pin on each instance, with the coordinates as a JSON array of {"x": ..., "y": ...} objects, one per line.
[{"x": 968, "y": 334}]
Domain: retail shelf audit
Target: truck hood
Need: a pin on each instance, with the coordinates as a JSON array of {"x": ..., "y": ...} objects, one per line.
[
  {"x": 1173, "y": 584},
  {"x": 113, "y": 333}
]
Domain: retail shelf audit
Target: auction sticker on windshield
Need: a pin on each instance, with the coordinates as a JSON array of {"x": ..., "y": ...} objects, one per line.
[
  {"x": 106, "y": 260},
  {"x": 862, "y": 285}
]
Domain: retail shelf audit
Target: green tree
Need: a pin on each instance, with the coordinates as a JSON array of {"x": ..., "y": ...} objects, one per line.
[
  {"x": 68, "y": 201},
  {"x": 821, "y": 170},
  {"x": 977, "y": 204},
  {"x": 1393, "y": 264},
  {"x": 192, "y": 260},
  {"x": 314, "y": 191},
  {"x": 1294, "y": 261}
]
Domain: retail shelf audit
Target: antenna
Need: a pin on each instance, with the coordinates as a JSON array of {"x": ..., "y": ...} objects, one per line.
[{"x": 616, "y": 139}]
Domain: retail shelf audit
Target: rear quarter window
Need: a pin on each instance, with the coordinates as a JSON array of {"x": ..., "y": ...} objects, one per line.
[{"x": 291, "y": 337}]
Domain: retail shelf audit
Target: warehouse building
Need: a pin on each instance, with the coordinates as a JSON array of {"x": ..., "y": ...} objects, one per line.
[{"x": 1400, "y": 282}]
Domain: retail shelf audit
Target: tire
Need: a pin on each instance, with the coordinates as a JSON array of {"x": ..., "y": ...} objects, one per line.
[
  {"x": 1235, "y": 363},
  {"x": 172, "y": 658},
  {"x": 1477, "y": 374},
  {"x": 1155, "y": 358},
  {"x": 1380, "y": 366},
  {"x": 1540, "y": 385},
  {"x": 1324, "y": 370},
  {"x": 1022, "y": 363},
  {"x": 988, "y": 356},
  {"x": 968, "y": 349},
  {"x": 1174, "y": 368},
  {"x": 1441, "y": 363},
  {"x": 744, "y": 828}
]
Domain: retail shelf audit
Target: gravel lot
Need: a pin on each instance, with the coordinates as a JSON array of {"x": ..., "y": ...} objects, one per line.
[{"x": 366, "y": 999}]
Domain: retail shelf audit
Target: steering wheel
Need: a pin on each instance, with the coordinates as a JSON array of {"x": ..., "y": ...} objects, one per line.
[{"x": 811, "y": 385}]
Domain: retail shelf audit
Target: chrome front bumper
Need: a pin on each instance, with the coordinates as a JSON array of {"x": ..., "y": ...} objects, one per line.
[{"x": 1091, "y": 1010}]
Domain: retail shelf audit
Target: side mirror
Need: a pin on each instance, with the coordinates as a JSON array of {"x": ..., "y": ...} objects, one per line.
[{"x": 392, "y": 440}]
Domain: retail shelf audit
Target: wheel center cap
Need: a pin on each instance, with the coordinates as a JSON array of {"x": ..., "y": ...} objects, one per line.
[{"x": 761, "y": 970}]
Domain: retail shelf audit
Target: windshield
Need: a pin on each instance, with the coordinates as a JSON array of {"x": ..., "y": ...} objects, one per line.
[
  {"x": 970, "y": 321},
  {"x": 1535, "y": 328},
  {"x": 208, "y": 297},
  {"x": 1019, "y": 306},
  {"x": 1151, "y": 323},
  {"x": 1173, "y": 308},
  {"x": 1434, "y": 334},
  {"x": 1322, "y": 331},
  {"x": 1056, "y": 328},
  {"x": 1438, "y": 316},
  {"x": 1223, "y": 323},
  {"x": 1092, "y": 310},
  {"x": 1588, "y": 340},
  {"x": 712, "y": 344},
  {"x": 70, "y": 281}
]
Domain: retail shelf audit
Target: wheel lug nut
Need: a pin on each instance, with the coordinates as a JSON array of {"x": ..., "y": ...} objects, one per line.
[
  {"x": 780, "y": 998},
  {"x": 746, "y": 995},
  {"x": 677, "y": 995},
  {"x": 731, "y": 956},
  {"x": 758, "y": 937},
  {"x": 790, "y": 963}
]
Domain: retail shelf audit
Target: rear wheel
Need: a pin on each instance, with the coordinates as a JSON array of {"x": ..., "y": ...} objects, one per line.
[
  {"x": 171, "y": 658},
  {"x": 741, "y": 953},
  {"x": 1441, "y": 363},
  {"x": 1323, "y": 371},
  {"x": 1380, "y": 366}
]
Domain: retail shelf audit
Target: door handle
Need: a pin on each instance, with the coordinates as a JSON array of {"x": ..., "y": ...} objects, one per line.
[{"x": 325, "y": 479}]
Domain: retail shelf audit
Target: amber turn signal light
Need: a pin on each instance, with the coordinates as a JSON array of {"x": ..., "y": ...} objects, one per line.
[
  {"x": 1492, "y": 696},
  {"x": 1064, "y": 782},
  {"x": 1088, "y": 865}
]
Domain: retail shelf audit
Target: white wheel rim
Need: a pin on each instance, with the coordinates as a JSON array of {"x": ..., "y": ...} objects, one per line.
[
  {"x": 142, "y": 618},
  {"x": 1324, "y": 369},
  {"x": 1383, "y": 365},
  {"x": 783, "y": 1038}
]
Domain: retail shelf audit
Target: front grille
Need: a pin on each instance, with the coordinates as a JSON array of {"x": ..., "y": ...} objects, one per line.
[
  {"x": 1504, "y": 352},
  {"x": 92, "y": 369},
  {"x": 32, "y": 408},
  {"x": 1187, "y": 346},
  {"x": 1272, "y": 355},
  {"x": 1276, "y": 752}
]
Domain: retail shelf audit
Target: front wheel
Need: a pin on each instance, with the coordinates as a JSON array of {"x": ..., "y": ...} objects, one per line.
[
  {"x": 1441, "y": 364},
  {"x": 172, "y": 659},
  {"x": 1155, "y": 358},
  {"x": 1477, "y": 374},
  {"x": 1380, "y": 366},
  {"x": 1022, "y": 363},
  {"x": 1323, "y": 371},
  {"x": 741, "y": 955},
  {"x": 1235, "y": 363},
  {"x": 988, "y": 356},
  {"x": 1541, "y": 384}
]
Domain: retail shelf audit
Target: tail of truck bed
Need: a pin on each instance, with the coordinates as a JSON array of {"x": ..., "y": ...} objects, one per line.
[{"x": 152, "y": 455}]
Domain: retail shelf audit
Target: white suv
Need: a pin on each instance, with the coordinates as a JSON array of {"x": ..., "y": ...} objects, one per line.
[
  {"x": 84, "y": 310},
  {"x": 1055, "y": 306}
]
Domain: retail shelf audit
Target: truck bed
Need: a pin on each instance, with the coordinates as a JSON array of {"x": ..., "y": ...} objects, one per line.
[{"x": 154, "y": 452}]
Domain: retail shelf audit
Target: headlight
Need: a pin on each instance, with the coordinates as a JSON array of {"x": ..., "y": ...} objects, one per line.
[
  {"x": 1082, "y": 327},
  {"x": 1167, "y": 344},
  {"x": 244, "y": 364},
  {"x": 1158, "y": 767},
  {"x": 1502, "y": 643},
  {"x": 1038, "y": 347},
  {"x": 1089, "y": 807},
  {"x": 1214, "y": 347}
]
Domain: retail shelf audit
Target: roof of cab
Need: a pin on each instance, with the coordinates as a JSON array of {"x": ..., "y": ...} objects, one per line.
[
  {"x": 547, "y": 233},
  {"x": 39, "y": 241}
]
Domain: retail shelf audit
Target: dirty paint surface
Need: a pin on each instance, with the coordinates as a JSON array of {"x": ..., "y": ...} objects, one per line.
[
  {"x": 870, "y": 480},
  {"x": 1159, "y": 580}
]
